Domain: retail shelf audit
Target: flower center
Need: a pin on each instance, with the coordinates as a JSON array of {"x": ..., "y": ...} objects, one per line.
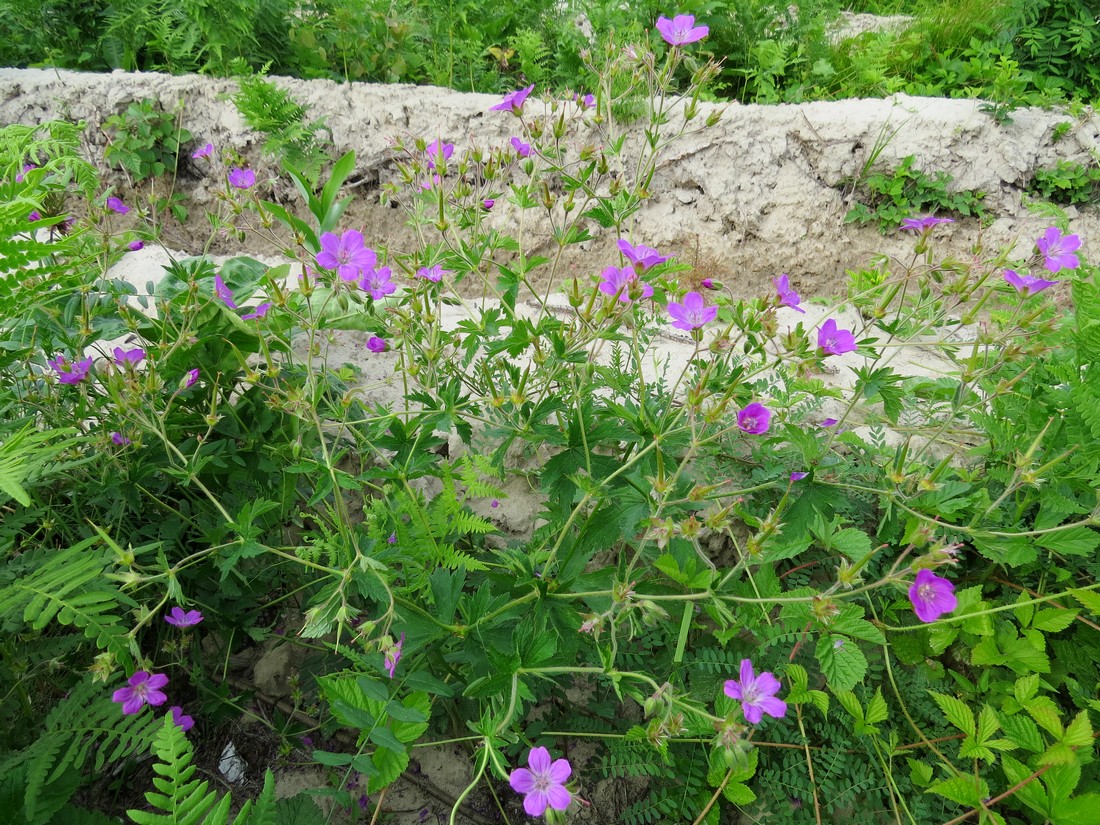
[
  {"x": 926, "y": 593},
  {"x": 542, "y": 782},
  {"x": 750, "y": 694},
  {"x": 830, "y": 342},
  {"x": 750, "y": 422}
]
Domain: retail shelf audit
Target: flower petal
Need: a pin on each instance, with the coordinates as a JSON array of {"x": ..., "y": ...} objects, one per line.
[
  {"x": 776, "y": 708},
  {"x": 753, "y": 713},
  {"x": 747, "y": 676},
  {"x": 560, "y": 771},
  {"x": 535, "y": 803},
  {"x": 733, "y": 689},
  {"x": 558, "y": 797},
  {"x": 539, "y": 760},
  {"x": 522, "y": 780},
  {"x": 767, "y": 684}
]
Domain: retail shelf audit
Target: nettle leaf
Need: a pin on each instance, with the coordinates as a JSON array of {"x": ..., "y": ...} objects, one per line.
[
  {"x": 1023, "y": 732},
  {"x": 1054, "y": 619},
  {"x": 962, "y": 789},
  {"x": 1076, "y": 541},
  {"x": 956, "y": 711},
  {"x": 841, "y": 660}
]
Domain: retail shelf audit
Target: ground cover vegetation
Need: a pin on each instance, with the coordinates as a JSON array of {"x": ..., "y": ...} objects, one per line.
[
  {"x": 887, "y": 613},
  {"x": 1011, "y": 53}
]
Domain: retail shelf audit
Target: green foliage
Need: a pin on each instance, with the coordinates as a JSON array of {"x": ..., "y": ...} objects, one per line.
[
  {"x": 1068, "y": 183},
  {"x": 144, "y": 140},
  {"x": 273, "y": 113},
  {"x": 183, "y": 799},
  {"x": 906, "y": 192}
]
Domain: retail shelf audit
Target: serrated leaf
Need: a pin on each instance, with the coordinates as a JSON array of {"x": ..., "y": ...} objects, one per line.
[
  {"x": 1089, "y": 599},
  {"x": 1044, "y": 711},
  {"x": 1024, "y": 732},
  {"x": 876, "y": 709},
  {"x": 843, "y": 664},
  {"x": 962, "y": 789},
  {"x": 956, "y": 711},
  {"x": 1053, "y": 620},
  {"x": 739, "y": 794},
  {"x": 1078, "y": 732},
  {"x": 1026, "y": 687},
  {"x": 820, "y": 700},
  {"x": 1076, "y": 541},
  {"x": 850, "y": 702}
]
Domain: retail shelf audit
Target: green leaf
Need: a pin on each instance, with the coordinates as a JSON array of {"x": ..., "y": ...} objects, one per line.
[
  {"x": 1079, "y": 731},
  {"x": 962, "y": 789},
  {"x": 1076, "y": 541},
  {"x": 843, "y": 664},
  {"x": 1044, "y": 711},
  {"x": 876, "y": 709},
  {"x": 1053, "y": 620},
  {"x": 384, "y": 738},
  {"x": 1025, "y": 733},
  {"x": 956, "y": 711}
]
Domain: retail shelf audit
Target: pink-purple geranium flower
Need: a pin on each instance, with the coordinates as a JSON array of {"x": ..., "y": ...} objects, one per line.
[
  {"x": 488, "y": 203},
  {"x": 787, "y": 296},
  {"x": 142, "y": 689},
  {"x": 692, "y": 313},
  {"x": 205, "y": 152},
  {"x": 346, "y": 254},
  {"x": 932, "y": 596},
  {"x": 586, "y": 101},
  {"x": 71, "y": 373},
  {"x": 756, "y": 694},
  {"x": 119, "y": 439},
  {"x": 923, "y": 224},
  {"x": 754, "y": 419},
  {"x": 378, "y": 283},
  {"x": 1057, "y": 250},
  {"x": 1027, "y": 285},
  {"x": 798, "y": 475},
  {"x": 376, "y": 344},
  {"x": 522, "y": 149},
  {"x": 192, "y": 377},
  {"x": 621, "y": 282},
  {"x": 134, "y": 246},
  {"x": 542, "y": 782},
  {"x": 26, "y": 168},
  {"x": 513, "y": 101},
  {"x": 433, "y": 273},
  {"x": 641, "y": 257},
  {"x": 681, "y": 30},
  {"x": 179, "y": 617},
  {"x": 180, "y": 720},
  {"x": 439, "y": 153},
  {"x": 224, "y": 292},
  {"x": 259, "y": 312},
  {"x": 129, "y": 357},
  {"x": 833, "y": 341},
  {"x": 116, "y": 205},
  {"x": 242, "y": 178},
  {"x": 393, "y": 655}
]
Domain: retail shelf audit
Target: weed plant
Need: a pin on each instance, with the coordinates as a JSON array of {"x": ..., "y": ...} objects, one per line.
[{"x": 783, "y": 597}]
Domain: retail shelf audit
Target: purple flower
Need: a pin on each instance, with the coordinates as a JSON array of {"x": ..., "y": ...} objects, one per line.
[
  {"x": 707, "y": 283},
  {"x": 522, "y": 149},
  {"x": 378, "y": 283},
  {"x": 376, "y": 344},
  {"x": 756, "y": 694},
  {"x": 754, "y": 419},
  {"x": 223, "y": 292},
  {"x": 488, "y": 203},
  {"x": 183, "y": 618},
  {"x": 144, "y": 688},
  {"x": 184, "y": 723},
  {"x": 134, "y": 246},
  {"x": 692, "y": 313},
  {"x": 242, "y": 178},
  {"x": 129, "y": 357},
  {"x": 828, "y": 422},
  {"x": 258, "y": 312},
  {"x": 1027, "y": 285},
  {"x": 347, "y": 254},
  {"x": 70, "y": 373},
  {"x": 931, "y": 596},
  {"x": 392, "y": 539},
  {"x": 432, "y": 273},
  {"x": 205, "y": 152},
  {"x": 26, "y": 168},
  {"x": 116, "y": 205},
  {"x": 1057, "y": 250},
  {"x": 513, "y": 101},
  {"x": 622, "y": 282},
  {"x": 120, "y": 439},
  {"x": 393, "y": 656},
  {"x": 494, "y": 503},
  {"x": 787, "y": 296},
  {"x": 586, "y": 102},
  {"x": 542, "y": 782},
  {"x": 192, "y": 377},
  {"x": 923, "y": 224},
  {"x": 642, "y": 257},
  {"x": 34, "y": 216},
  {"x": 681, "y": 30},
  {"x": 833, "y": 341},
  {"x": 439, "y": 153},
  {"x": 798, "y": 476}
]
